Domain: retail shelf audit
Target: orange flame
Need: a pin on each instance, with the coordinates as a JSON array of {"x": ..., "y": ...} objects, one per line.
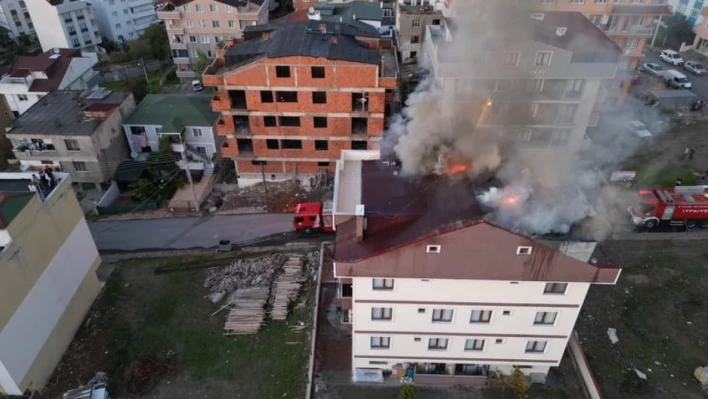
[
  {"x": 455, "y": 168},
  {"x": 510, "y": 200}
]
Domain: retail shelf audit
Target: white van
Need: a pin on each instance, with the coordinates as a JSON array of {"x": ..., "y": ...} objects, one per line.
[
  {"x": 671, "y": 57},
  {"x": 197, "y": 85},
  {"x": 676, "y": 80}
]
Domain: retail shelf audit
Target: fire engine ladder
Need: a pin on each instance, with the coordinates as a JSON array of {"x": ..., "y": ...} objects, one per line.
[
  {"x": 689, "y": 191},
  {"x": 665, "y": 196}
]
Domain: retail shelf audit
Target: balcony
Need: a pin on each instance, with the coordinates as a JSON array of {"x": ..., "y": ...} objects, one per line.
[
  {"x": 181, "y": 60},
  {"x": 644, "y": 31},
  {"x": 35, "y": 149},
  {"x": 168, "y": 15},
  {"x": 175, "y": 30},
  {"x": 178, "y": 45},
  {"x": 220, "y": 103},
  {"x": 237, "y": 98},
  {"x": 177, "y": 147},
  {"x": 181, "y": 73}
]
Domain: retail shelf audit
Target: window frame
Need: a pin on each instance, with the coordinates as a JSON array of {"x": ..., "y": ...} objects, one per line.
[
  {"x": 474, "y": 347},
  {"x": 532, "y": 346},
  {"x": 542, "y": 58},
  {"x": 381, "y": 342},
  {"x": 547, "y": 318},
  {"x": 482, "y": 319},
  {"x": 551, "y": 288},
  {"x": 386, "y": 314},
  {"x": 384, "y": 284},
  {"x": 439, "y": 315},
  {"x": 434, "y": 344}
]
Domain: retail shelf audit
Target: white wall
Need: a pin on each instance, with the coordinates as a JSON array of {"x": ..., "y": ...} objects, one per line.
[
  {"x": 50, "y": 30},
  {"x": 13, "y": 101},
  {"x": 79, "y": 72},
  {"x": 150, "y": 131},
  {"x": 27, "y": 330},
  {"x": 206, "y": 140},
  {"x": 131, "y": 24}
]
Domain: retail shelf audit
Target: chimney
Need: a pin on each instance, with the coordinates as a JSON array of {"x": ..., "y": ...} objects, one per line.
[
  {"x": 265, "y": 36},
  {"x": 360, "y": 222},
  {"x": 333, "y": 39}
]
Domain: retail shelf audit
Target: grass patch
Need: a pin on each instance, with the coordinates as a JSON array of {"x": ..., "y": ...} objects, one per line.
[
  {"x": 665, "y": 175},
  {"x": 659, "y": 310},
  {"x": 153, "y": 78}
]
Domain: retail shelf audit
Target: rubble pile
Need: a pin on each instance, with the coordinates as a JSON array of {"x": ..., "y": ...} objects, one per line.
[
  {"x": 243, "y": 273},
  {"x": 282, "y": 196}
]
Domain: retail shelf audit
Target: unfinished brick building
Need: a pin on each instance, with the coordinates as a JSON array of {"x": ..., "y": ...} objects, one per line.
[{"x": 293, "y": 95}]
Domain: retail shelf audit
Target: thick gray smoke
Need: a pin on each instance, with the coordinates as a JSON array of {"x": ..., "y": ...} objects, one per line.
[{"x": 545, "y": 187}]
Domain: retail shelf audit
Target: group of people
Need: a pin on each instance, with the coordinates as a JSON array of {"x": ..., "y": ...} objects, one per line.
[{"x": 46, "y": 180}]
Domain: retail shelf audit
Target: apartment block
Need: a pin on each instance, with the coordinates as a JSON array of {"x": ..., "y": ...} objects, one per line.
[
  {"x": 378, "y": 15},
  {"x": 440, "y": 294},
  {"x": 48, "y": 281},
  {"x": 305, "y": 4},
  {"x": 691, "y": 9},
  {"x": 412, "y": 18},
  {"x": 120, "y": 21},
  {"x": 206, "y": 25},
  {"x": 76, "y": 133},
  {"x": 65, "y": 24},
  {"x": 32, "y": 77},
  {"x": 700, "y": 43},
  {"x": 186, "y": 121},
  {"x": 16, "y": 19},
  {"x": 557, "y": 70},
  {"x": 293, "y": 95}
]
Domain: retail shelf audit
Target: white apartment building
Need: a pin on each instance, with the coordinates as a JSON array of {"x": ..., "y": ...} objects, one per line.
[
  {"x": 122, "y": 20},
  {"x": 65, "y": 24},
  {"x": 558, "y": 68},
  {"x": 443, "y": 294},
  {"x": 32, "y": 77},
  {"x": 15, "y": 17}
]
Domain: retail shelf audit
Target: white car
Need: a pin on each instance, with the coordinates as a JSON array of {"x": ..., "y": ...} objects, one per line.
[
  {"x": 652, "y": 69},
  {"x": 695, "y": 68},
  {"x": 671, "y": 57},
  {"x": 638, "y": 129}
]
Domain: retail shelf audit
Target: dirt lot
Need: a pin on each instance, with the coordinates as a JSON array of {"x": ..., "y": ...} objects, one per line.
[
  {"x": 659, "y": 311},
  {"x": 163, "y": 322}
]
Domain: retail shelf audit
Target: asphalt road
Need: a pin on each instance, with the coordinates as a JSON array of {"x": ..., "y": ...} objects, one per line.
[
  {"x": 185, "y": 233},
  {"x": 699, "y": 83}
]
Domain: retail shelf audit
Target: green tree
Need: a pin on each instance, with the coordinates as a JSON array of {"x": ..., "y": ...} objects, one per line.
[
  {"x": 407, "y": 392},
  {"x": 517, "y": 381},
  {"x": 143, "y": 190},
  {"x": 156, "y": 38},
  {"x": 202, "y": 63},
  {"x": 139, "y": 88},
  {"x": 678, "y": 30}
]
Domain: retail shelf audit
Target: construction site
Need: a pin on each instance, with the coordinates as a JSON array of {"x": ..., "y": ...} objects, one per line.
[{"x": 180, "y": 326}]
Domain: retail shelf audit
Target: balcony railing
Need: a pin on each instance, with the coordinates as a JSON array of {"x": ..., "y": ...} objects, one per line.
[
  {"x": 642, "y": 30},
  {"x": 168, "y": 15},
  {"x": 30, "y": 148}
]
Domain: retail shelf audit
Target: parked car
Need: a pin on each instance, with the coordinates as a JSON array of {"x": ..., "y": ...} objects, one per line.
[
  {"x": 676, "y": 80},
  {"x": 638, "y": 129},
  {"x": 695, "y": 68},
  {"x": 652, "y": 69},
  {"x": 197, "y": 85},
  {"x": 671, "y": 57}
]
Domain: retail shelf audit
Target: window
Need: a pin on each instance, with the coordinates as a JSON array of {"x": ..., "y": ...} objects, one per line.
[
  {"x": 192, "y": 39},
  {"x": 286, "y": 96},
  {"x": 415, "y": 39},
  {"x": 115, "y": 14},
  {"x": 474, "y": 345},
  {"x": 566, "y": 113},
  {"x": 291, "y": 144},
  {"x": 383, "y": 283},
  {"x": 186, "y": 8},
  {"x": 548, "y": 1},
  {"x": 442, "y": 315},
  {"x": 232, "y": 25},
  {"x": 204, "y": 39},
  {"x": 506, "y": 313},
  {"x": 215, "y": 24},
  {"x": 600, "y": 1},
  {"x": 199, "y": 8},
  {"x": 381, "y": 313},
  {"x": 503, "y": 85},
  {"x": 359, "y": 145},
  {"x": 213, "y": 8},
  {"x": 574, "y": 88},
  {"x": 421, "y": 310},
  {"x": 523, "y": 250},
  {"x": 72, "y": 145},
  {"x": 415, "y": 23},
  {"x": 269, "y": 121},
  {"x": 511, "y": 58},
  {"x": 229, "y": 9},
  {"x": 433, "y": 249},
  {"x": 190, "y": 24},
  {"x": 321, "y": 145},
  {"x": 266, "y": 96},
  {"x": 291, "y": 121},
  {"x": 282, "y": 71},
  {"x": 481, "y": 316},
  {"x": 543, "y": 58},
  {"x": 80, "y": 166},
  {"x": 322, "y": 163},
  {"x": 272, "y": 144},
  {"x": 259, "y": 163},
  {"x": 577, "y": 1},
  {"x": 118, "y": 26},
  {"x": 197, "y": 132},
  {"x": 555, "y": 288},
  {"x": 535, "y": 85},
  {"x": 499, "y": 341},
  {"x": 22, "y": 97},
  {"x": 536, "y": 346},
  {"x": 380, "y": 342},
  {"x": 319, "y": 97},
  {"x": 126, "y": 11},
  {"x": 320, "y": 122},
  {"x": 317, "y": 72},
  {"x": 596, "y": 19},
  {"x": 437, "y": 343},
  {"x": 202, "y": 23},
  {"x": 545, "y": 318}
]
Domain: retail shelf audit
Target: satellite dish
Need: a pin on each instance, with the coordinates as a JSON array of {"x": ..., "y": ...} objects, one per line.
[
  {"x": 134, "y": 155},
  {"x": 55, "y": 50},
  {"x": 311, "y": 10}
]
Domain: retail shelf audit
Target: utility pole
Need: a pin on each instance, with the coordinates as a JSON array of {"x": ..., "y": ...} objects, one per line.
[
  {"x": 147, "y": 79},
  {"x": 265, "y": 186},
  {"x": 659, "y": 24},
  {"x": 189, "y": 174}
]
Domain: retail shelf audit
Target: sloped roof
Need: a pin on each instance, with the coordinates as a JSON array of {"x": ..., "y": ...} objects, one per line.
[
  {"x": 173, "y": 112},
  {"x": 55, "y": 68},
  {"x": 304, "y": 38}
]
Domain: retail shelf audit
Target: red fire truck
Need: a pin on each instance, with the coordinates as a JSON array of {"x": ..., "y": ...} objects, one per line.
[
  {"x": 679, "y": 206},
  {"x": 313, "y": 217}
]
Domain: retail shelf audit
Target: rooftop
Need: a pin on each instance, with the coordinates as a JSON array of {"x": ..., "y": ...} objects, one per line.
[
  {"x": 354, "y": 10},
  {"x": 320, "y": 39},
  {"x": 232, "y": 3},
  {"x": 68, "y": 113},
  {"x": 585, "y": 40},
  {"x": 418, "y": 9},
  {"x": 173, "y": 112},
  {"x": 15, "y": 194},
  {"x": 54, "y": 63}
]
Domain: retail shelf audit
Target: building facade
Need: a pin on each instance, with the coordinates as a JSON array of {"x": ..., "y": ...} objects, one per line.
[
  {"x": 380, "y": 16},
  {"x": 15, "y": 17},
  {"x": 289, "y": 110},
  {"x": 80, "y": 135},
  {"x": 412, "y": 18},
  {"x": 65, "y": 24},
  {"x": 195, "y": 26},
  {"x": 187, "y": 121},
  {"x": 443, "y": 293},
  {"x": 48, "y": 279},
  {"x": 121, "y": 21},
  {"x": 558, "y": 74},
  {"x": 691, "y": 9},
  {"x": 32, "y": 77}
]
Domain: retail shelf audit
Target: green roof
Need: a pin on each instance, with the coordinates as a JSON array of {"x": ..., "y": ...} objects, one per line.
[
  {"x": 362, "y": 10},
  {"x": 12, "y": 206},
  {"x": 173, "y": 112}
]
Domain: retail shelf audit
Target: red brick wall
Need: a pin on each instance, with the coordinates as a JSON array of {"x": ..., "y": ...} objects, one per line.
[{"x": 276, "y": 167}]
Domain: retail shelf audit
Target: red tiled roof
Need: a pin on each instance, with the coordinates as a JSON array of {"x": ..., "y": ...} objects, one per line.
[
  {"x": 55, "y": 68},
  {"x": 100, "y": 107},
  {"x": 19, "y": 73}
]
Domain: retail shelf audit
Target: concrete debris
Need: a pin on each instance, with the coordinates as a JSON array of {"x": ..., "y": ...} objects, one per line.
[
  {"x": 612, "y": 333},
  {"x": 701, "y": 374},
  {"x": 640, "y": 374}
]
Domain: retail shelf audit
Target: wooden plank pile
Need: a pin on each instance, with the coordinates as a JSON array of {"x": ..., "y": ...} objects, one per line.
[
  {"x": 287, "y": 286},
  {"x": 242, "y": 273},
  {"x": 248, "y": 310}
]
